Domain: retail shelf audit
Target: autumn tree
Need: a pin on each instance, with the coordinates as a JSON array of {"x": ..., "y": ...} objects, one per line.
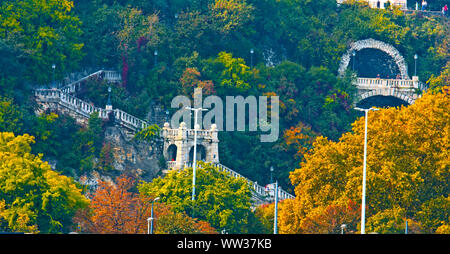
[
  {"x": 116, "y": 209},
  {"x": 33, "y": 197},
  {"x": 407, "y": 168},
  {"x": 221, "y": 200}
]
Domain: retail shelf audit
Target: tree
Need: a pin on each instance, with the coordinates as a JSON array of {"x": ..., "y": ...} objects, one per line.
[
  {"x": 46, "y": 32},
  {"x": 33, "y": 198},
  {"x": 230, "y": 74},
  {"x": 149, "y": 133},
  {"x": 136, "y": 32},
  {"x": 115, "y": 209},
  {"x": 10, "y": 116},
  {"x": 407, "y": 167},
  {"x": 220, "y": 199}
]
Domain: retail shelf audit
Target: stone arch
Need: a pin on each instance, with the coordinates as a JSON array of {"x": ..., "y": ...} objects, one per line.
[
  {"x": 374, "y": 44},
  {"x": 201, "y": 153},
  {"x": 382, "y": 92},
  {"x": 172, "y": 152}
]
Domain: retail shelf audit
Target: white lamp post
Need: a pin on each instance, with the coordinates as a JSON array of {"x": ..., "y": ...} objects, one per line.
[
  {"x": 363, "y": 205},
  {"x": 415, "y": 64},
  {"x": 194, "y": 162},
  {"x": 150, "y": 220},
  {"x": 251, "y": 57}
]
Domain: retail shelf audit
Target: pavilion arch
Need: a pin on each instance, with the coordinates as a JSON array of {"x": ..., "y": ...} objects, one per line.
[
  {"x": 374, "y": 44},
  {"x": 172, "y": 152},
  {"x": 201, "y": 153}
]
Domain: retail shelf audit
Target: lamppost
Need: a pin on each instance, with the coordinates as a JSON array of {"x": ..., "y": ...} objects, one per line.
[
  {"x": 363, "y": 205},
  {"x": 150, "y": 220},
  {"x": 167, "y": 115},
  {"x": 415, "y": 64},
  {"x": 275, "y": 190},
  {"x": 156, "y": 56},
  {"x": 354, "y": 59},
  {"x": 275, "y": 228},
  {"x": 194, "y": 162},
  {"x": 53, "y": 83},
  {"x": 108, "y": 103},
  {"x": 251, "y": 57}
]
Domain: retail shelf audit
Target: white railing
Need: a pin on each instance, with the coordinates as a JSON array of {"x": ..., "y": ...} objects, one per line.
[
  {"x": 73, "y": 103},
  {"x": 260, "y": 190},
  {"x": 171, "y": 164},
  {"x": 370, "y": 83},
  {"x": 200, "y": 133},
  {"x": 111, "y": 76}
]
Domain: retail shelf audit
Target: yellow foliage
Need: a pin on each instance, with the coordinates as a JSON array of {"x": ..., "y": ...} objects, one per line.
[{"x": 408, "y": 161}]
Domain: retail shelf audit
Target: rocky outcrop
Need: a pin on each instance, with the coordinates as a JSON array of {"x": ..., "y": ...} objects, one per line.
[{"x": 138, "y": 159}]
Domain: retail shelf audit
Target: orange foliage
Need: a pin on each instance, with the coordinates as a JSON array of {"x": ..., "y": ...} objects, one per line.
[{"x": 114, "y": 209}]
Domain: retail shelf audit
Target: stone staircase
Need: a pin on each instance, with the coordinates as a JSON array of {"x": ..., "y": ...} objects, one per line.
[{"x": 64, "y": 100}]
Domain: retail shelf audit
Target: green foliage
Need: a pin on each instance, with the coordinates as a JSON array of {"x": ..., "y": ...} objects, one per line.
[
  {"x": 10, "y": 116},
  {"x": 148, "y": 134},
  {"x": 46, "y": 32},
  {"x": 33, "y": 198},
  {"x": 220, "y": 199}
]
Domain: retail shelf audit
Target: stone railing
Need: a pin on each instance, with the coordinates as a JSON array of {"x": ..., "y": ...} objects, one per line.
[
  {"x": 86, "y": 109},
  {"x": 171, "y": 164},
  {"x": 258, "y": 189},
  {"x": 129, "y": 120},
  {"x": 372, "y": 83},
  {"x": 111, "y": 76},
  {"x": 184, "y": 132}
]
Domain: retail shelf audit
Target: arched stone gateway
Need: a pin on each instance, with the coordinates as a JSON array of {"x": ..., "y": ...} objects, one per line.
[
  {"x": 401, "y": 87},
  {"x": 183, "y": 139},
  {"x": 374, "y": 44}
]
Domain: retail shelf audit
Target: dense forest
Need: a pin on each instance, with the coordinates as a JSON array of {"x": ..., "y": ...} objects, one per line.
[{"x": 165, "y": 48}]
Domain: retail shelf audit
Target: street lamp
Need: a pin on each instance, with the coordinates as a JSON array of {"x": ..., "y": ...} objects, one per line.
[
  {"x": 167, "y": 115},
  {"x": 194, "y": 162},
  {"x": 53, "y": 67},
  {"x": 156, "y": 56},
  {"x": 108, "y": 103},
  {"x": 251, "y": 57},
  {"x": 415, "y": 64},
  {"x": 150, "y": 220},
  {"x": 275, "y": 226},
  {"x": 363, "y": 205},
  {"x": 354, "y": 59},
  {"x": 267, "y": 190}
]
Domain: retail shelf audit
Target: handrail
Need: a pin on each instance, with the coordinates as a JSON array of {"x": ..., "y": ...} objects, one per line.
[
  {"x": 108, "y": 75},
  {"x": 78, "y": 105},
  {"x": 394, "y": 83},
  {"x": 260, "y": 190}
]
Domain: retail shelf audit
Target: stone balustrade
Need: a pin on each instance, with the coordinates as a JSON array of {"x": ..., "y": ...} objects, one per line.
[
  {"x": 182, "y": 131},
  {"x": 86, "y": 109},
  {"x": 373, "y": 83},
  {"x": 258, "y": 189},
  {"x": 111, "y": 76}
]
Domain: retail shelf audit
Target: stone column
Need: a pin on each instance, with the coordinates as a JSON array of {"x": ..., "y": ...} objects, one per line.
[
  {"x": 182, "y": 146},
  {"x": 213, "y": 149}
]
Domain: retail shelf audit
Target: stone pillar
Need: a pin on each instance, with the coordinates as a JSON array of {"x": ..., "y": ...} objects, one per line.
[
  {"x": 213, "y": 149},
  {"x": 182, "y": 146},
  {"x": 164, "y": 134}
]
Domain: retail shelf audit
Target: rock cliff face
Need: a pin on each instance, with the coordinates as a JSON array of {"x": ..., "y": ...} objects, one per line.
[{"x": 137, "y": 159}]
